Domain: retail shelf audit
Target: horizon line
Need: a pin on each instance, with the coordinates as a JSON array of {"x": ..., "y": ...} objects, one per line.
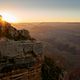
[{"x": 43, "y": 22}]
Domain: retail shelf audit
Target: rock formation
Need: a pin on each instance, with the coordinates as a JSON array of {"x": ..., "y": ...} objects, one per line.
[
  {"x": 8, "y": 31},
  {"x": 20, "y": 57}
]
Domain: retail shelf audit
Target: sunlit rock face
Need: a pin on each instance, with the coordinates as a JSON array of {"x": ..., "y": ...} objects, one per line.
[{"x": 20, "y": 56}]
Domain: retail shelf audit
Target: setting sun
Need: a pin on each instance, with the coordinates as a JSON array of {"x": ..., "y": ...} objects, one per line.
[{"x": 8, "y": 17}]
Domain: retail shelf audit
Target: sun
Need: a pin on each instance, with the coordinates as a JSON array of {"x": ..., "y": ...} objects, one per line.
[{"x": 8, "y": 17}]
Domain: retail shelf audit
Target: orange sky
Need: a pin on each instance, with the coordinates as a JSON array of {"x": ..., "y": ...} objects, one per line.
[{"x": 41, "y": 10}]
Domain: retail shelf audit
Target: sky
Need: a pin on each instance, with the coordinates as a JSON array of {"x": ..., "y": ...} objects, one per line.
[{"x": 42, "y": 10}]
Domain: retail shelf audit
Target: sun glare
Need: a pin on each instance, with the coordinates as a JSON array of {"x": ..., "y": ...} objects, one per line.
[{"x": 8, "y": 17}]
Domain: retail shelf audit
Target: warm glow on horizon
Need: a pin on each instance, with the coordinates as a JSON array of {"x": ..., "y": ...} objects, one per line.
[
  {"x": 8, "y": 17},
  {"x": 35, "y": 18},
  {"x": 50, "y": 20},
  {"x": 40, "y": 10}
]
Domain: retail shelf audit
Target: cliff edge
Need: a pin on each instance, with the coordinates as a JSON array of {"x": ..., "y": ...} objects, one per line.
[{"x": 20, "y": 55}]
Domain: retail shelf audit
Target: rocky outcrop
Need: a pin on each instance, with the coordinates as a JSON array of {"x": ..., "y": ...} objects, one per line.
[
  {"x": 20, "y": 56},
  {"x": 19, "y": 48},
  {"x": 12, "y": 33}
]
